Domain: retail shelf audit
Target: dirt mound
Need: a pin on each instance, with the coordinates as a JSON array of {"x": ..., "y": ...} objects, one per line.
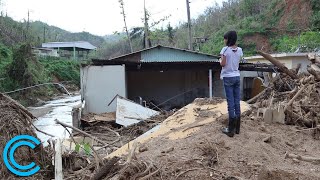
[
  {"x": 16, "y": 120},
  {"x": 209, "y": 154}
]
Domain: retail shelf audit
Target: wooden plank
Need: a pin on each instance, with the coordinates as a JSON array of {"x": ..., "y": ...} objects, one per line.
[{"x": 58, "y": 160}]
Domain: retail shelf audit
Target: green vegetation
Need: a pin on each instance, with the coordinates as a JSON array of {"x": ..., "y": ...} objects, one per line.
[
  {"x": 85, "y": 146},
  {"x": 63, "y": 70},
  {"x": 315, "y": 19},
  {"x": 21, "y": 69},
  {"x": 308, "y": 42}
]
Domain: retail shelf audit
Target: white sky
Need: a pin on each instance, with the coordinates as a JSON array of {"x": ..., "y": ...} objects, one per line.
[{"x": 102, "y": 17}]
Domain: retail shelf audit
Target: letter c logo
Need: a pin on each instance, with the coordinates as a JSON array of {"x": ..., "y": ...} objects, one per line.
[{"x": 27, "y": 170}]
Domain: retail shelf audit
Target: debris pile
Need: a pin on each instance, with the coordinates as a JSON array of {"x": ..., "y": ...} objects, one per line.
[
  {"x": 189, "y": 145},
  {"x": 297, "y": 94},
  {"x": 16, "y": 120}
]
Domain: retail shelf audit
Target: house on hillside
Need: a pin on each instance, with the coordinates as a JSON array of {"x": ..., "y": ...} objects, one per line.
[
  {"x": 77, "y": 50},
  {"x": 45, "y": 52},
  {"x": 160, "y": 76}
]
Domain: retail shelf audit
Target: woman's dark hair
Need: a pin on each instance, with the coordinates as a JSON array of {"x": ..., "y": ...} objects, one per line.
[{"x": 231, "y": 37}]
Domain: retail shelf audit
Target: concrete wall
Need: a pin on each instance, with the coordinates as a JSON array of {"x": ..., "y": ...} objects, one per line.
[
  {"x": 161, "y": 86},
  {"x": 99, "y": 85},
  {"x": 290, "y": 60},
  {"x": 304, "y": 64}
]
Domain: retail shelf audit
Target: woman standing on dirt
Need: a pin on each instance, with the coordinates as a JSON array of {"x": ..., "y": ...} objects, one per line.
[{"x": 230, "y": 74}]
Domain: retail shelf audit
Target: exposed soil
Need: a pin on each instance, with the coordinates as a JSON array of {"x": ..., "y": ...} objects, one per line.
[
  {"x": 298, "y": 12},
  {"x": 261, "y": 42},
  {"x": 246, "y": 155}
]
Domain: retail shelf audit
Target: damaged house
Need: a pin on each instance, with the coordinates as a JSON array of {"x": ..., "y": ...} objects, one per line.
[{"x": 159, "y": 77}]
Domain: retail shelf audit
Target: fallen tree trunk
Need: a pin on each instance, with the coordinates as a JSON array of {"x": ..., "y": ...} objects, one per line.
[{"x": 282, "y": 67}]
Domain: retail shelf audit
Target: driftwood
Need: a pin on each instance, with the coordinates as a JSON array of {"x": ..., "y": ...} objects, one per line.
[
  {"x": 315, "y": 73},
  {"x": 306, "y": 122},
  {"x": 106, "y": 169},
  {"x": 252, "y": 100},
  {"x": 314, "y": 58},
  {"x": 306, "y": 80},
  {"x": 282, "y": 67},
  {"x": 303, "y": 158},
  {"x": 313, "y": 68},
  {"x": 295, "y": 97},
  {"x": 80, "y": 131}
]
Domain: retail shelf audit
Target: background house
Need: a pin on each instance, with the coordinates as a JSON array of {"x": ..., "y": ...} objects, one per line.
[
  {"x": 77, "y": 50},
  {"x": 45, "y": 52},
  {"x": 291, "y": 60}
]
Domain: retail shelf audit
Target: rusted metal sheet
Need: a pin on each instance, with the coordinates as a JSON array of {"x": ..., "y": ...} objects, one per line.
[{"x": 129, "y": 113}]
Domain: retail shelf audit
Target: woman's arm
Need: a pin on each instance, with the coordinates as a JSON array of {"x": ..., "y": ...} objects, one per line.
[{"x": 223, "y": 60}]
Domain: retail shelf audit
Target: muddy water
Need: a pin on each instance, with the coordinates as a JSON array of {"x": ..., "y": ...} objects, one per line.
[{"x": 57, "y": 109}]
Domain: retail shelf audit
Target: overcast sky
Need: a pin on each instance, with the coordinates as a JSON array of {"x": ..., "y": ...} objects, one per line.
[{"x": 101, "y": 17}]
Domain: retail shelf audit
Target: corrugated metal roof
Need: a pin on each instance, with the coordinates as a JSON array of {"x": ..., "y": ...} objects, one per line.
[
  {"x": 118, "y": 62},
  {"x": 164, "y": 54},
  {"x": 145, "y": 52},
  {"x": 76, "y": 44}
]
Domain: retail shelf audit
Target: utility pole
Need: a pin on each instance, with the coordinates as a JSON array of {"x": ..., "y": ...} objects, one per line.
[
  {"x": 146, "y": 28},
  {"x": 44, "y": 33},
  {"x": 189, "y": 26},
  {"x": 125, "y": 23},
  {"x": 28, "y": 24}
]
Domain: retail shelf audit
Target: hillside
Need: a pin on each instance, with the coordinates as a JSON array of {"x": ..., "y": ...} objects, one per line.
[
  {"x": 13, "y": 33},
  {"x": 273, "y": 26},
  {"x": 261, "y": 25}
]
